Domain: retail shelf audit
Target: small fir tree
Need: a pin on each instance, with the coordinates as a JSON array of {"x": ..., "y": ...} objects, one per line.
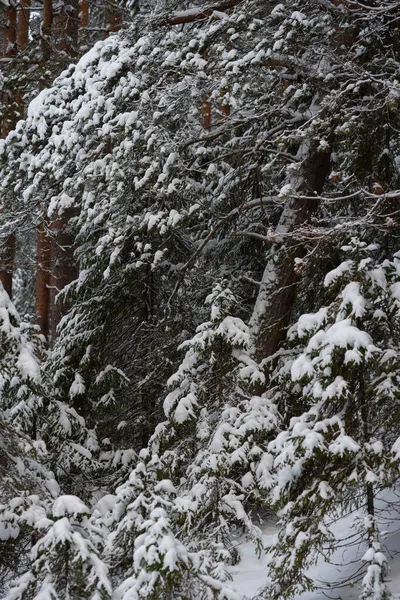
[
  {"x": 342, "y": 445},
  {"x": 206, "y": 464},
  {"x": 64, "y": 562}
]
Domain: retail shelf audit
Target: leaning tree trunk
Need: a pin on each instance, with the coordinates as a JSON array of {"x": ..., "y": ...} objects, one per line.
[{"x": 278, "y": 287}]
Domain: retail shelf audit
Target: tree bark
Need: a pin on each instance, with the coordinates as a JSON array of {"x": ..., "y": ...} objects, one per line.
[
  {"x": 83, "y": 24},
  {"x": 7, "y": 258},
  {"x": 47, "y": 23},
  {"x": 113, "y": 18},
  {"x": 43, "y": 266},
  {"x": 83, "y": 13},
  {"x": 205, "y": 117},
  {"x": 66, "y": 27},
  {"x": 63, "y": 270},
  {"x": 7, "y": 250},
  {"x": 278, "y": 288},
  {"x": 23, "y": 24}
]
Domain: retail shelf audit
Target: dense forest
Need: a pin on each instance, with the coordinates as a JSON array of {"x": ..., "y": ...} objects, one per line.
[{"x": 200, "y": 300}]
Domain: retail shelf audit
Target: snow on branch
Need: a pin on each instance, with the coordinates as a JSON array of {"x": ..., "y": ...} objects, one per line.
[{"x": 197, "y": 14}]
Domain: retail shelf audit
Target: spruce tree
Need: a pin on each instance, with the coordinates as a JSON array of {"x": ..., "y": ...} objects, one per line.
[
  {"x": 64, "y": 562},
  {"x": 340, "y": 447}
]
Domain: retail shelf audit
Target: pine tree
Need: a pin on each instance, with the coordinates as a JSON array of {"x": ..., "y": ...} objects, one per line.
[{"x": 151, "y": 561}]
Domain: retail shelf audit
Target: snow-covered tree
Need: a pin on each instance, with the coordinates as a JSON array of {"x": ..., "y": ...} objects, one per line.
[
  {"x": 216, "y": 433},
  {"x": 145, "y": 550},
  {"x": 201, "y": 144},
  {"x": 64, "y": 562},
  {"x": 27, "y": 489},
  {"x": 20, "y": 374},
  {"x": 206, "y": 466},
  {"x": 342, "y": 398}
]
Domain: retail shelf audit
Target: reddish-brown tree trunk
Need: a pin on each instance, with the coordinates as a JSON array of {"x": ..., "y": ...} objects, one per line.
[
  {"x": 7, "y": 257},
  {"x": 23, "y": 17},
  {"x": 66, "y": 27},
  {"x": 113, "y": 18},
  {"x": 83, "y": 13},
  {"x": 47, "y": 24},
  {"x": 23, "y": 24},
  {"x": 56, "y": 266},
  {"x": 43, "y": 266},
  {"x": 206, "y": 112},
  {"x": 7, "y": 250}
]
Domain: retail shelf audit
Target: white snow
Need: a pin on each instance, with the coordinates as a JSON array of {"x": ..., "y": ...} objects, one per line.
[
  {"x": 69, "y": 505},
  {"x": 250, "y": 575}
]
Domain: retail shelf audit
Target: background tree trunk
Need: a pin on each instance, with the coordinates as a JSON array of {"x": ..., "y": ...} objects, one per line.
[
  {"x": 66, "y": 27},
  {"x": 7, "y": 249},
  {"x": 42, "y": 279},
  {"x": 113, "y": 18},
  {"x": 63, "y": 270},
  {"x": 23, "y": 24},
  {"x": 46, "y": 29}
]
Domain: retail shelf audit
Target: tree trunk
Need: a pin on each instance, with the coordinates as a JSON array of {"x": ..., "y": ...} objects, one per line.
[
  {"x": 278, "y": 288},
  {"x": 43, "y": 279},
  {"x": 7, "y": 250},
  {"x": 56, "y": 266},
  {"x": 83, "y": 24},
  {"x": 23, "y": 17},
  {"x": 46, "y": 29},
  {"x": 113, "y": 18},
  {"x": 63, "y": 270},
  {"x": 83, "y": 13},
  {"x": 66, "y": 27},
  {"x": 23, "y": 24},
  {"x": 7, "y": 257},
  {"x": 205, "y": 116}
]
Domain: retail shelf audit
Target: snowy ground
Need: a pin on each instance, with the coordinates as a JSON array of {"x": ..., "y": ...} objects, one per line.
[{"x": 250, "y": 575}]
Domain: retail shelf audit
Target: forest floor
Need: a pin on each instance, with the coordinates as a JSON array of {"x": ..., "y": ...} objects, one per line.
[{"x": 251, "y": 573}]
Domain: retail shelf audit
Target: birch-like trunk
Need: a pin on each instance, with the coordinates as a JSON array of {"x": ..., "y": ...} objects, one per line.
[{"x": 278, "y": 287}]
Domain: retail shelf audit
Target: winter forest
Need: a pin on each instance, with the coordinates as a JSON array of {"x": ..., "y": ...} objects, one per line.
[{"x": 200, "y": 300}]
